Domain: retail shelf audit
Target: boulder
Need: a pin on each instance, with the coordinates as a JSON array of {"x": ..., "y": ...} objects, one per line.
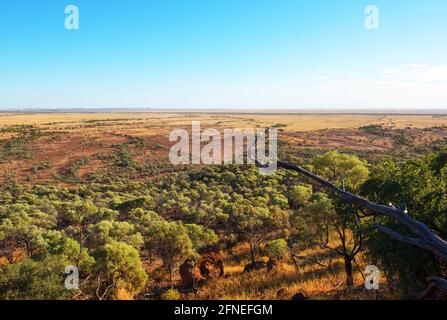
[
  {"x": 299, "y": 296},
  {"x": 190, "y": 275},
  {"x": 257, "y": 265},
  {"x": 271, "y": 264},
  {"x": 210, "y": 266}
]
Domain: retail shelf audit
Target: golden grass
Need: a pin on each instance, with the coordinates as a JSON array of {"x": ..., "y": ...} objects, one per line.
[
  {"x": 292, "y": 122},
  {"x": 313, "y": 280}
]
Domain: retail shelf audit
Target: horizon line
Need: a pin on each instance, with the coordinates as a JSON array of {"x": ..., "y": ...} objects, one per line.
[{"x": 394, "y": 111}]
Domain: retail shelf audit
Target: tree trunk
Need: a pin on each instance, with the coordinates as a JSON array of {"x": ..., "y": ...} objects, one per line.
[
  {"x": 296, "y": 264},
  {"x": 252, "y": 253},
  {"x": 170, "y": 274},
  {"x": 28, "y": 248},
  {"x": 348, "y": 271}
]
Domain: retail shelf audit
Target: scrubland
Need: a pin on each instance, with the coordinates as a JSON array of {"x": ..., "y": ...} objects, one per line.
[{"x": 101, "y": 185}]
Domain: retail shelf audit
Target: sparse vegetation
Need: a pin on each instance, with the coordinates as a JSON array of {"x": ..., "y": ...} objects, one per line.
[{"x": 131, "y": 221}]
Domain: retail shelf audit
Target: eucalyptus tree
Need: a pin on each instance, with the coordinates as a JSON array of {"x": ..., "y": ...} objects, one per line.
[{"x": 328, "y": 222}]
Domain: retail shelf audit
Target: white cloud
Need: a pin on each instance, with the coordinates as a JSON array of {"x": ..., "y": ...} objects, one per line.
[
  {"x": 419, "y": 86},
  {"x": 409, "y": 86},
  {"x": 415, "y": 74}
]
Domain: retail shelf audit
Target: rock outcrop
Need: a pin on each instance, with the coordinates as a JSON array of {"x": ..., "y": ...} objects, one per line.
[
  {"x": 190, "y": 274},
  {"x": 253, "y": 266},
  {"x": 299, "y": 296},
  {"x": 210, "y": 266}
]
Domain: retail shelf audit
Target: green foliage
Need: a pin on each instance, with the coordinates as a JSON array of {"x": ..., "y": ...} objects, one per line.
[
  {"x": 34, "y": 280},
  {"x": 170, "y": 241},
  {"x": 401, "y": 138},
  {"x": 158, "y": 146},
  {"x": 420, "y": 187},
  {"x": 119, "y": 265},
  {"x": 347, "y": 171},
  {"x": 374, "y": 129},
  {"x": 19, "y": 224},
  {"x": 103, "y": 227},
  {"x": 69, "y": 174},
  {"x": 323, "y": 221},
  {"x": 18, "y": 146},
  {"x": 53, "y": 242},
  {"x": 171, "y": 294},
  {"x": 140, "y": 202},
  {"x": 300, "y": 195},
  {"x": 110, "y": 225},
  {"x": 279, "y": 125},
  {"x": 312, "y": 223},
  {"x": 200, "y": 236},
  {"x": 123, "y": 158},
  {"x": 108, "y": 231},
  {"x": 277, "y": 249}
]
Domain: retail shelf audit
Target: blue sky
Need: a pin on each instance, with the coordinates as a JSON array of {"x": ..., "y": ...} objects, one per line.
[{"x": 276, "y": 54}]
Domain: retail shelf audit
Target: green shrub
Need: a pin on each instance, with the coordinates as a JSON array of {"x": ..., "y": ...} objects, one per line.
[{"x": 171, "y": 294}]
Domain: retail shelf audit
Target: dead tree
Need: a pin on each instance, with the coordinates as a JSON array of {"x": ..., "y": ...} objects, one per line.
[{"x": 424, "y": 237}]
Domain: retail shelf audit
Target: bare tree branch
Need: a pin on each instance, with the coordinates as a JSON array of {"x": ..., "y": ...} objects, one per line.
[
  {"x": 397, "y": 236},
  {"x": 436, "y": 285},
  {"x": 427, "y": 238},
  {"x": 439, "y": 282}
]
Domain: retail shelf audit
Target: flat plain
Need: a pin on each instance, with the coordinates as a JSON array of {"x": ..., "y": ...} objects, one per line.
[{"x": 45, "y": 145}]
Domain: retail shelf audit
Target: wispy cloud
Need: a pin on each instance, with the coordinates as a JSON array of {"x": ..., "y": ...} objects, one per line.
[
  {"x": 412, "y": 75},
  {"x": 406, "y": 86}
]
